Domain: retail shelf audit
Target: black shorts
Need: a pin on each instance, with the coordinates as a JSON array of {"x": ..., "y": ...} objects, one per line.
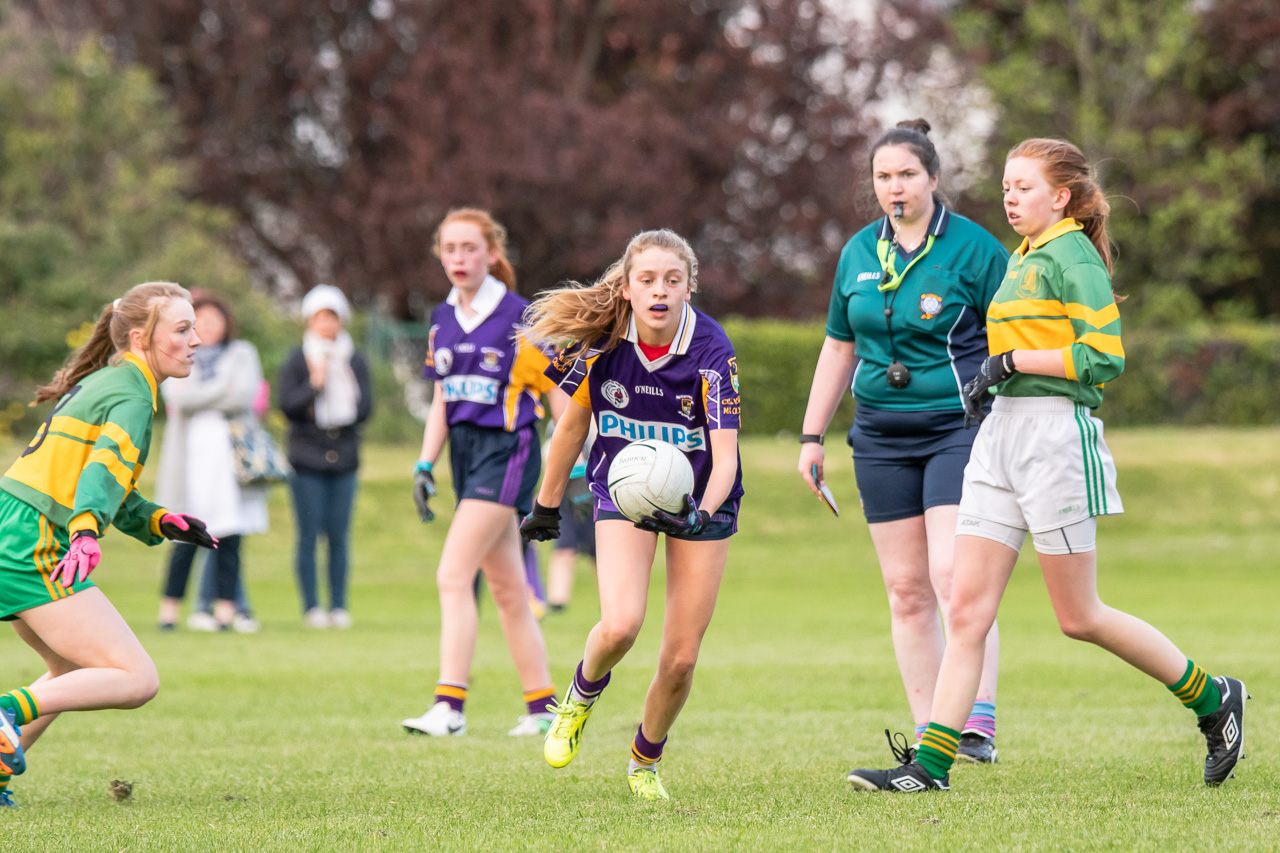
[
  {"x": 907, "y": 462},
  {"x": 724, "y": 522},
  {"x": 491, "y": 464}
]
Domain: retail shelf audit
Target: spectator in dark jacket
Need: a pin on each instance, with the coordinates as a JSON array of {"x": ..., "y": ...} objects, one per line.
[{"x": 326, "y": 394}]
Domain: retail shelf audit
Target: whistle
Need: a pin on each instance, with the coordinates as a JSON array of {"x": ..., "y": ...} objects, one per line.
[{"x": 897, "y": 209}]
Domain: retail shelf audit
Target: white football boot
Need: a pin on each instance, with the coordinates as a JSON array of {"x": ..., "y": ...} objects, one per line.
[{"x": 439, "y": 721}]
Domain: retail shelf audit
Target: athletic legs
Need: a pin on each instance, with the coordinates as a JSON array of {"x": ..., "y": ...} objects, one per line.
[
  {"x": 694, "y": 571},
  {"x": 1072, "y": 581}
]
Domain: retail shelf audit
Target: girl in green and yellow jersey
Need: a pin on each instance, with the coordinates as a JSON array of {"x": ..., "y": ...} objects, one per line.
[
  {"x": 78, "y": 476},
  {"x": 1040, "y": 465}
]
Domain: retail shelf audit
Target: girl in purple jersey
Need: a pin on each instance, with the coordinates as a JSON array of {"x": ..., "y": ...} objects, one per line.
[
  {"x": 488, "y": 382},
  {"x": 643, "y": 361}
]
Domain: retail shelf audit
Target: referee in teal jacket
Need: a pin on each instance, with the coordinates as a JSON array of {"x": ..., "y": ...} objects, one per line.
[{"x": 906, "y": 329}]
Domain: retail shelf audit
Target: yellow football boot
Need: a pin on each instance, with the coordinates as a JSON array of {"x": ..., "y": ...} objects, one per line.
[{"x": 565, "y": 734}]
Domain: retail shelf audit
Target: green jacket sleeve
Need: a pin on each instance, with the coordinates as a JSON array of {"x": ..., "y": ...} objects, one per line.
[
  {"x": 990, "y": 276},
  {"x": 838, "y": 312},
  {"x": 140, "y": 518},
  {"x": 1097, "y": 355},
  {"x": 112, "y": 468}
]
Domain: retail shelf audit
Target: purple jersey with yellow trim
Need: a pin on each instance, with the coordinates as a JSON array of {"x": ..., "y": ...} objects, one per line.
[
  {"x": 492, "y": 377},
  {"x": 677, "y": 398}
]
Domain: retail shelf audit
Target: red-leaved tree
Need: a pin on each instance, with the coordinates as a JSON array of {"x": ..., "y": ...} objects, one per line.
[{"x": 340, "y": 132}]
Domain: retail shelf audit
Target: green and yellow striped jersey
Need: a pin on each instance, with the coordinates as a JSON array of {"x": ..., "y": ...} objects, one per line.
[
  {"x": 81, "y": 470},
  {"x": 1056, "y": 294}
]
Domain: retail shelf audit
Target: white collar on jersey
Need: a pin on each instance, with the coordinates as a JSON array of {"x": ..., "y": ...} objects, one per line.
[
  {"x": 679, "y": 346},
  {"x": 483, "y": 303}
]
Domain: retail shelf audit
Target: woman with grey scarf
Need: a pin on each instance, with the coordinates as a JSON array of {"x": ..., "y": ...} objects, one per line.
[{"x": 197, "y": 462}]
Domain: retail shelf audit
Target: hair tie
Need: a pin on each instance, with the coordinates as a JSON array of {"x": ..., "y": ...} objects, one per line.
[{"x": 115, "y": 305}]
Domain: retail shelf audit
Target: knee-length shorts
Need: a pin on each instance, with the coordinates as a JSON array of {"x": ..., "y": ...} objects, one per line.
[
  {"x": 490, "y": 464},
  {"x": 908, "y": 462},
  {"x": 1039, "y": 464}
]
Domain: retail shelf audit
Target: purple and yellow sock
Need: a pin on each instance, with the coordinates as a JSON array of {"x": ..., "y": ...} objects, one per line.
[
  {"x": 937, "y": 750},
  {"x": 982, "y": 719},
  {"x": 585, "y": 690},
  {"x": 451, "y": 692},
  {"x": 645, "y": 753},
  {"x": 1197, "y": 691},
  {"x": 538, "y": 700},
  {"x": 22, "y": 704}
]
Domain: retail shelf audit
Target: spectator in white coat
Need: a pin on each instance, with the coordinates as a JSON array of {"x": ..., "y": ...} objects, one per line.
[{"x": 197, "y": 473}]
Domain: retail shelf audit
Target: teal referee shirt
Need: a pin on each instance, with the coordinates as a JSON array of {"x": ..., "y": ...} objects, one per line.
[{"x": 939, "y": 312}]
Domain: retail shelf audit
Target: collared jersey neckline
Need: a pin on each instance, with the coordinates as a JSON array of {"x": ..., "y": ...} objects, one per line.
[
  {"x": 130, "y": 358},
  {"x": 679, "y": 344},
  {"x": 937, "y": 223},
  {"x": 1064, "y": 226},
  {"x": 483, "y": 303}
]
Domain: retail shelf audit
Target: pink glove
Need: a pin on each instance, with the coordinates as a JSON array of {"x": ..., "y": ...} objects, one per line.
[{"x": 81, "y": 559}]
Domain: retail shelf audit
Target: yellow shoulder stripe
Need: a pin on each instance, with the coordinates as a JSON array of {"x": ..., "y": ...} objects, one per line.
[
  {"x": 107, "y": 458},
  {"x": 128, "y": 451},
  {"x": 1026, "y": 308},
  {"x": 75, "y": 428},
  {"x": 1097, "y": 319},
  {"x": 1103, "y": 343}
]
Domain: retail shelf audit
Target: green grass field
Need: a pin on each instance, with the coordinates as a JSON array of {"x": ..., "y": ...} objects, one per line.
[{"x": 290, "y": 740}]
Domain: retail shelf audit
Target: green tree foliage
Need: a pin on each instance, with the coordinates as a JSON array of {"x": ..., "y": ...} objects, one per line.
[
  {"x": 1135, "y": 84},
  {"x": 92, "y": 201}
]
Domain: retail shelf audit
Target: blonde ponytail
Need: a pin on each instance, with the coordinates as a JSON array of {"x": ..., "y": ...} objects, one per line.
[{"x": 137, "y": 309}]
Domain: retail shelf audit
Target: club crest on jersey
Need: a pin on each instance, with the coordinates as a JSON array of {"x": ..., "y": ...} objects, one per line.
[
  {"x": 490, "y": 359},
  {"x": 615, "y": 393},
  {"x": 444, "y": 360},
  {"x": 930, "y": 305},
  {"x": 686, "y": 405},
  {"x": 1029, "y": 283},
  {"x": 733, "y": 374}
]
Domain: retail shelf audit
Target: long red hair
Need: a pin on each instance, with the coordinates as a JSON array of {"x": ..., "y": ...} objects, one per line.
[{"x": 1064, "y": 166}]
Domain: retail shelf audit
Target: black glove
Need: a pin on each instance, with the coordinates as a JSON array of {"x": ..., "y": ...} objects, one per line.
[
  {"x": 543, "y": 524},
  {"x": 690, "y": 522},
  {"x": 993, "y": 370},
  {"x": 186, "y": 528},
  {"x": 424, "y": 488},
  {"x": 975, "y": 407}
]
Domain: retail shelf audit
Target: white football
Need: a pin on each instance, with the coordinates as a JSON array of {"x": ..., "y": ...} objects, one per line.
[{"x": 649, "y": 474}]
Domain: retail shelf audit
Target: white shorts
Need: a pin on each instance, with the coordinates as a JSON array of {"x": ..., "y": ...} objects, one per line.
[{"x": 1039, "y": 464}]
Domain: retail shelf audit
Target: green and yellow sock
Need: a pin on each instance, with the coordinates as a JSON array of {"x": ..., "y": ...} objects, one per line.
[
  {"x": 1197, "y": 691},
  {"x": 936, "y": 751},
  {"x": 22, "y": 704}
]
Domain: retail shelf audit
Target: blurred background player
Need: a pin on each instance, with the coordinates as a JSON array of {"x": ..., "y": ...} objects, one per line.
[
  {"x": 634, "y": 353},
  {"x": 325, "y": 393},
  {"x": 577, "y": 533},
  {"x": 76, "y": 478},
  {"x": 1040, "y": 464},
  {"x": 911, "y": 293},
  {"x": 487, "y": 403},
  {"x": 197, "y": 462}
]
